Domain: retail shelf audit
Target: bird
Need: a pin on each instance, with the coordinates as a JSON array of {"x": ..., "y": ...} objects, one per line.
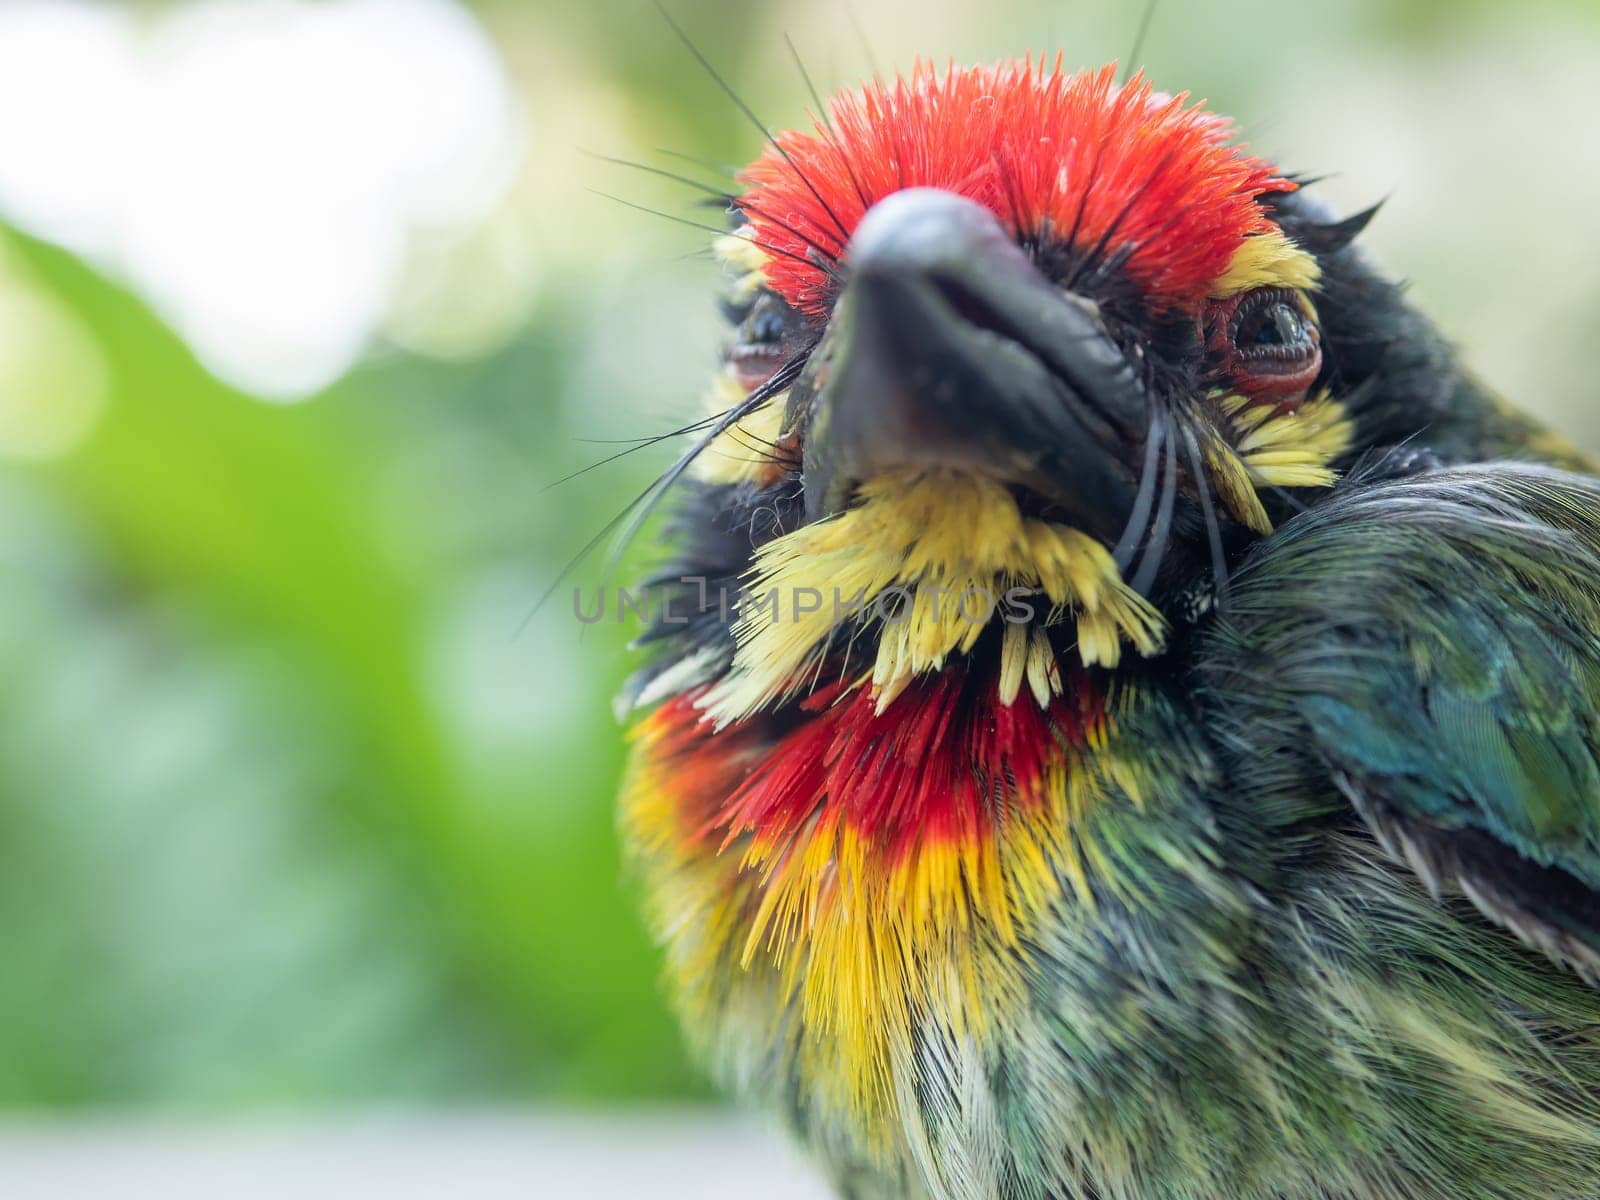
[{"x": 1122, "y": 715}]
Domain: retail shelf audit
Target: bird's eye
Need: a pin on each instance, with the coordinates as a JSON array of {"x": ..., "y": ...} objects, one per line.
[
  {"x": 1264, "y": 343},
  {"x": 760, "y": 345}
]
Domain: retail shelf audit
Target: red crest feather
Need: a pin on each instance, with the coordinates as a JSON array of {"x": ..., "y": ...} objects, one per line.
[{"x": 1076, "y": 160}]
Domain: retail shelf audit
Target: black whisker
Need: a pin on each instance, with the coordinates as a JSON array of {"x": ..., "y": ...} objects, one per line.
[
  {"x": 1161, "y": 532},
  {"x": 1009, "y": 184},
  {"x": 754, "y": 441},
  {"x": 711, "y": 229},
  {"x": 1144, "y": 498},
  {"x": 703, "y": 164},
  {"x": 1138, "y": 38},
  {"x": 750, "y": 115},
  {"x": 641, "y": 443},
  {"x": 1219, "y": 562},
  {"x": 656, "y": 212},
  {"x": 1179, "y": 213},
  {"x": 861, "y": 36},
  {"x": 728, "y": 198},
  {"x": 626, "y": 524},
  {"x": 820, "y": 256},
  {"x": 764, "y": 451},
  {"x": 594, "y": 466},
  {"x": 829, "y": 131},
  {"x": 1094, "y": 255},
  {"x": 754, "y": 459},
  {"x": 811, "y": 88},
  {"x": 715, "y": 192},
  {"x": 651, "y": 439},
  {"x": 1088, "y": 190},
  {"x": 781, "y": 379},
  {"x": 1289, "y": 498},
  {"x": 773, "y": 450},
  {"x": 648, "y": 439}
]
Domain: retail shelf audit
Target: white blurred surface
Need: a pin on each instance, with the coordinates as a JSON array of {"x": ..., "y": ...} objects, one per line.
[
  {"x": 656, "y": 1156},
  {"x": 257, "y": 169}
]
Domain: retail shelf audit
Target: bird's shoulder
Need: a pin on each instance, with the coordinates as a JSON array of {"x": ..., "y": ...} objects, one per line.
[{"x": 1427, "y": 650}]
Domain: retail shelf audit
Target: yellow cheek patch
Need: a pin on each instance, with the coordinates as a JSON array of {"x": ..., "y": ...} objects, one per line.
[
  {"x": 1267, "y": 260},
  {"x": 744, "y": 452},
  {"x": 931, "y": 558},
  {"x": 1263, "y": 446},
  {"x": 744, "y": 260},
  {"x": 750, "y": 450}
]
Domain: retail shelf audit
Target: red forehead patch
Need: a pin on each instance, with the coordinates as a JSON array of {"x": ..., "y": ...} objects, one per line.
[{"x": 1076, "y": 159}]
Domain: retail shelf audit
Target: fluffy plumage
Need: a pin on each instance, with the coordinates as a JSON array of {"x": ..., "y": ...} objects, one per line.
[
  {"x": 1082, "y": 158},
  {"x": 1261, "y": 859}
]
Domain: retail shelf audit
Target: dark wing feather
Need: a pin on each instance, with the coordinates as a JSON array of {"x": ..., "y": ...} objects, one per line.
[{"x": 1429, "y": 649}]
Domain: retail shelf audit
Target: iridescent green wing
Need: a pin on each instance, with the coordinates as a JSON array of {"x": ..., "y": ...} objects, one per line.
[{"x": 1428, "y": 650}]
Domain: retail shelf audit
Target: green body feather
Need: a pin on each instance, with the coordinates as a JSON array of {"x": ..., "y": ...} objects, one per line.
[{"x": 1376, "y": 781}]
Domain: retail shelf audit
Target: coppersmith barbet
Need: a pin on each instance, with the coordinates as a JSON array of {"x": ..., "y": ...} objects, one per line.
[{"x": 1124, "y": 722}]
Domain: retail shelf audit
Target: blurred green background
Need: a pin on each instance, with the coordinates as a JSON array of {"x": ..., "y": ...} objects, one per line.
[{"x": 302, "y": 308}]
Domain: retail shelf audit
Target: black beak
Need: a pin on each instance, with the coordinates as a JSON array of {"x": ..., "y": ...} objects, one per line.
[{"x": 948, "y": 348}]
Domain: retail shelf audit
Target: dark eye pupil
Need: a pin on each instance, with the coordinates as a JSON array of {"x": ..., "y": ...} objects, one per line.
[
  {"x": 764, "y": 327},
  {"x": 1279, "y": 325},
  {"x": 762, "y": 340}
]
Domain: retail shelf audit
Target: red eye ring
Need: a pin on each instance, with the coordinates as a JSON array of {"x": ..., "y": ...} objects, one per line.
[{"x": 1264, "y": 344}]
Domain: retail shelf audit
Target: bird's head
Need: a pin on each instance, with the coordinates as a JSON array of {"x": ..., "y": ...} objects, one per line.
[
  {"x": 1021, "y": 357},
  {"x": 1022, "y": 360}
]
